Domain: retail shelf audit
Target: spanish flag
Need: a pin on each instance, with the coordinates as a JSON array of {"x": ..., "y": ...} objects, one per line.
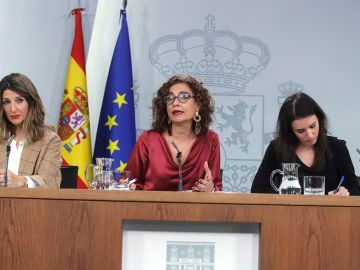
[{"x": 74, "y": 124}]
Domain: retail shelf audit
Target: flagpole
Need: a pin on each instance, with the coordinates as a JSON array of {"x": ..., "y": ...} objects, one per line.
[{"x": 124, "y": 4}]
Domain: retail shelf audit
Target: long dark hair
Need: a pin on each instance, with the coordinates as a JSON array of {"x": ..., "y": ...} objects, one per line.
[
  {"x": 33, "y": 125},
  {"x": 297, "y": 106},
  {"x": 160, "y": 119}
]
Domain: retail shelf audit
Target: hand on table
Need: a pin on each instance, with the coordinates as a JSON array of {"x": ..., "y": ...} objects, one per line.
[
  {"x": 342, "y": 192},
  {"x": 13, "y": 179}
]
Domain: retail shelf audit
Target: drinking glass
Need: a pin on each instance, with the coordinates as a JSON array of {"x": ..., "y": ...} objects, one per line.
[{"x": 314, "y": 185}]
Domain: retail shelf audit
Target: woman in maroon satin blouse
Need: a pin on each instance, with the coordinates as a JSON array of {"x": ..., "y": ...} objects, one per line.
[{"x": 182, "y": 112}]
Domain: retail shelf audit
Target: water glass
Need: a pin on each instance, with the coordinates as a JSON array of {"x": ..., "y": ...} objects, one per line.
[
  {"x": 314, "y": 185},
  {"x": 121, "y": 180}
]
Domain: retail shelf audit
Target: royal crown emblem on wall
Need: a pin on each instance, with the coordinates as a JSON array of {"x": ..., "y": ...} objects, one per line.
[
  {"x": 216, "y": 57},
  {"x": 287, "y": 89}
]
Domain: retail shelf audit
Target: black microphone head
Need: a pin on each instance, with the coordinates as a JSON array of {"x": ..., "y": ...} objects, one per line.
[
  {"x": 8, "y": 147},
  {"x": 178, "y": 152},
  {"x": 173, "y": 143},
  {"x": 11, "y": 138}
]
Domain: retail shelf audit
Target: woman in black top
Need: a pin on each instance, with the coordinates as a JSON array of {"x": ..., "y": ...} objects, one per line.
[{"x": 302, "y": 138}]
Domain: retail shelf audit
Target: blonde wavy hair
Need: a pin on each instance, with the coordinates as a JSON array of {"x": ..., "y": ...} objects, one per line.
[{"x": 33, "y": 125}]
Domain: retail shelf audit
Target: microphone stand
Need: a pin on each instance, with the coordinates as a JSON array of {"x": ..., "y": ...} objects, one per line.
[
  {"x": 8, "y": 149},
  {"x": 178, "y": 158}
]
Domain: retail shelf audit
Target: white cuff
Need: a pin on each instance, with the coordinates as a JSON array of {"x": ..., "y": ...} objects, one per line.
[{"x": 30, "y": 183}]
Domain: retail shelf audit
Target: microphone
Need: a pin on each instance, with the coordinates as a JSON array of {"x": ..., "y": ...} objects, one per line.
[
  {"x": 8, "y": 149},
  {"x": 178, "y": 157}
]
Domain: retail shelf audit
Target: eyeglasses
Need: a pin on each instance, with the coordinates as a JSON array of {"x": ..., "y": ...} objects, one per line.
[{"x": 183, "y": 97}]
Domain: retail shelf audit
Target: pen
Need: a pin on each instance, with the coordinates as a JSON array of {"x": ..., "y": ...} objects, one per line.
[{"x": 340, "y": 183}]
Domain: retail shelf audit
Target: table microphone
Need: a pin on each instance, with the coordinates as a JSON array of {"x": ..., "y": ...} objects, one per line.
[
  {"x": 178, "y": 157},
  {"x": 8, "y": 149}
]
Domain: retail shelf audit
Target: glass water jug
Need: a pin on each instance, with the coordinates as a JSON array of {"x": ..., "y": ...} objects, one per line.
[
  {"x": 100, "y": 176},
  {"x": 290, "y": 181}
]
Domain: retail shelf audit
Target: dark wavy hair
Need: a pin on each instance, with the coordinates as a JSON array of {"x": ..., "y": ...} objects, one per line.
[
  {"x": 297, "y": 106},
  {"x": 33, "y": 125},
  {"x": 160, "y": 117}
]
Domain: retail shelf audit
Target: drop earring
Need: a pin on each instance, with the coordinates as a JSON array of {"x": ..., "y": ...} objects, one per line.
[{"x": 197, "y": 119}]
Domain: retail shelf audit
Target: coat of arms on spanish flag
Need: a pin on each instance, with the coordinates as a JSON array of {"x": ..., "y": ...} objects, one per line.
[{"x": 74, "y": 125}]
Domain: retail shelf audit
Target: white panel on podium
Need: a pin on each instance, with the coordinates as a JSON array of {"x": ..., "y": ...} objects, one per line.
[{"x": 190, "y": 246}]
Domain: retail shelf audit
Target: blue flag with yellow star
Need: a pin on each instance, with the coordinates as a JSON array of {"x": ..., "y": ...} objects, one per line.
[{"x": 115, "y": 136}]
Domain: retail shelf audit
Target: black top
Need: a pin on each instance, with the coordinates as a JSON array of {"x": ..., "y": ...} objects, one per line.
[{"x": 339, "y": 165}]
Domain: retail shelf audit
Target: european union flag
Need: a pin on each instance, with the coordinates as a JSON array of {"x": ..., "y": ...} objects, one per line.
[{"x": 115, "y": 136}]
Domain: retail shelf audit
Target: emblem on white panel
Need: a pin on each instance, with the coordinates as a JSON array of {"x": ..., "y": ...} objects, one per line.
[{"x": 190, "y": 255}]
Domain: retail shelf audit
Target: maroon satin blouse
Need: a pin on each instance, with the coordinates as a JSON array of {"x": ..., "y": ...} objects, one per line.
[{"x": 152, "y": 164}]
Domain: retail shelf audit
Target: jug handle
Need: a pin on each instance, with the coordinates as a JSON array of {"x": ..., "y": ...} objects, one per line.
[
  {"x": 272, "y": 176},
  {"x": 87, "y": 175}
]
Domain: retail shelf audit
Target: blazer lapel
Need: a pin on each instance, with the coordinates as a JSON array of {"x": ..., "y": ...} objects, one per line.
[{"x": 2, "y": 156}]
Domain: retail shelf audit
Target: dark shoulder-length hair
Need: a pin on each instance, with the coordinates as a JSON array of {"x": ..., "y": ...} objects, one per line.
[
  {"x": 297, "y": 106},
  {"x": 33, "y": 125},
  {"x": 160, "y": 118}
]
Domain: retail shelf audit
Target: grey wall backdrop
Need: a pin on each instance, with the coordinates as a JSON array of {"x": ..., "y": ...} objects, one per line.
[
  {"x": 36, "y": 39},
  {"x": 250, "y": 54}
]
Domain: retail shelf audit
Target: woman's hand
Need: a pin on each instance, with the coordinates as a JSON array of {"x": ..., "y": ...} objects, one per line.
[
  {"x": 342, "y": 192},
  {"x": 206, "y": 184},
  {"x": 132, "y": 186},
  {"x": 13, "y": 179}
]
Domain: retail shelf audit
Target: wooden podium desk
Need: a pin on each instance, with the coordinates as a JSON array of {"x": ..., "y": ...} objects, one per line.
[{"x": 82, "y": 229}]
